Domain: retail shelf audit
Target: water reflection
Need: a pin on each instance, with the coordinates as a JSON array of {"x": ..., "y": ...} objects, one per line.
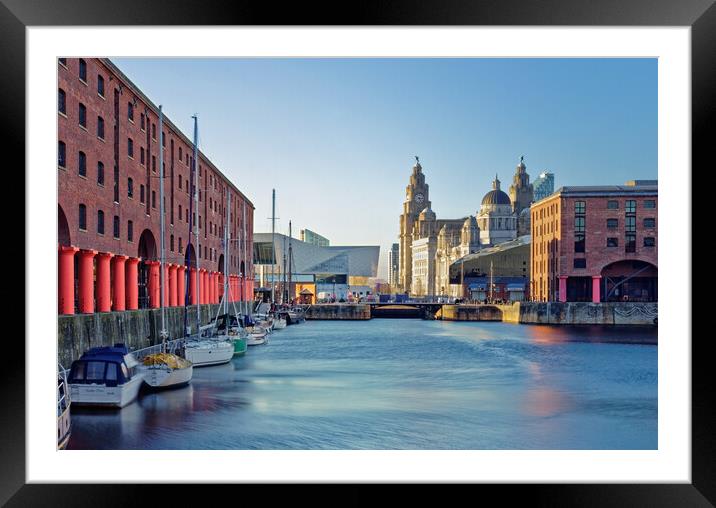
[{"x": 405, "y": 384}]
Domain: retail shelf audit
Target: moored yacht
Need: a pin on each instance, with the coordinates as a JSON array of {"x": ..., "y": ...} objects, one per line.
[{"x": 105, "y": 376}]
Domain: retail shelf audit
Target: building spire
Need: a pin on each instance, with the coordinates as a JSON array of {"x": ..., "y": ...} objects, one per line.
[{"x": 496, "y": 183}]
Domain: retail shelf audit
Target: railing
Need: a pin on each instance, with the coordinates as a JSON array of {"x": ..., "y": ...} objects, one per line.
[{"x": 172, "y": 346}]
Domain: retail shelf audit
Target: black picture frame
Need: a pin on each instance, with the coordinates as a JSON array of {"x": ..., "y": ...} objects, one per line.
[{"x": 700, "y": 15}]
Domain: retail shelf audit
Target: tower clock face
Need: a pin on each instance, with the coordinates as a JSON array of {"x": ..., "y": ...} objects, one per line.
[{"x": 419, "y": 198}]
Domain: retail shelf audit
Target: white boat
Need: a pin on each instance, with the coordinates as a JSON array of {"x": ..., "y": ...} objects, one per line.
[
  {"x": 166, "y": 370},
  {"x": 64, "y": 424},
  {"x": 203, "y": 352},
  {"x": 296, "y": 315},
  {"x": 105, "y": 376},
  {"x": 279, "y": 323},
  {"x": 257, "y": 336}
]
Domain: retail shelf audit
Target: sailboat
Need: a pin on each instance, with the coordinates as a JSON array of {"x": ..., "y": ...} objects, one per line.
[
  {"x": 164, "y": 369},
  {"x": 201, "y": 349},
  {"x": 226, "y": 326}
]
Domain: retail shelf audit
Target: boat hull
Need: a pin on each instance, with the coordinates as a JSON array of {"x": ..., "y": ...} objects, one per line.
[
  {"x": 256, "y": 340},
  {"x": 64, "y": 429},
  {"x": 157, "y": 376},
  {"x": 106, "y": 396},
  {"x": 240, "y": 345},
  {"x": 279, "y": 324},
  {"x": 207, "y": 354}
]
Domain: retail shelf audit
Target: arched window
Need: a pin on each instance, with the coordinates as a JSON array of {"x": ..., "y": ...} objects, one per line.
[
  {"x": 100, "y": 85},
  {"x": 83, "y": 115},
  {"x": 83, "y": 217},
  {"x": 61, "y": 154},
  {"x": 61, "y": 101},
  {"x": 82, "y": 164},
  {"x": 100, "y": 222},
  {"x": 83, "y": 70}
]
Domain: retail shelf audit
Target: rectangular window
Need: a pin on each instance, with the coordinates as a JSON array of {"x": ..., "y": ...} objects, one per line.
[
  {"x": 61, "y": 101},
  {"x": 154, "y": 131},
  {"x": 630, "y": 206},
  {"x": 100, "y": 222},
  {"x": 141, "y": 123},
  {"x": 579, "y": 206},
  {"x": 83, "y": 115},
  {"x": 130, "y": 147},
  {"x": 141, "y": 193},
  {"x": 82, "y": 164},
  {"x": 83, "y": 70},
  {"x": 61, "y": 154},
  {"x": 580, "y": 263},
  {"x": 130, "y": 111},
  {"x": 116, "y": 226},
  {"x": 116, "y": 184},
  {"x": 180, "y": 215},
  {"x": 130, "y": 231},
  {"x": 579, "y": 224},
  {"x": 630, "y": 223},
  {"x": 650, "y": 223},
  {"x": 130, "y": 188},
  {"x": 100, "y": 85},
  {"x": 154, "y": 164},
  {"x": 649, "y": 203},
  {"x": 579, "y": 242},
  {"x": 630, "y": 242},
  {"x": 154, "y": 199},
  {"x": 171, "y": 243},
  {"x": 612, "y": 223},
  {"x": 649, "y": 241},
  {"x": 612, "y": 242},
  {"x": 613, "y": 205},
  {"x": 180, "y": 182},
  {"x": 100, "y": 173},
  {"x": 100, "y": 127},
  {"x": 141, "y": 155}
]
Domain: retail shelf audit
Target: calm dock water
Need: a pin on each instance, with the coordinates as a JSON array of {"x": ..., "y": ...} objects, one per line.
[{"x": 405, "y": 384}]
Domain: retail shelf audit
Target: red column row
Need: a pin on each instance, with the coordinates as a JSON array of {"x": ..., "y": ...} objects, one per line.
[{"x": 112, "y": 282}]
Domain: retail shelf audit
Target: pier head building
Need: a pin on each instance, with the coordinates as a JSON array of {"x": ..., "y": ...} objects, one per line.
[
  {"x": 596, "y": 244},
  {"x": 108, "y": 202},
  {"x": 430, "y": 246}
]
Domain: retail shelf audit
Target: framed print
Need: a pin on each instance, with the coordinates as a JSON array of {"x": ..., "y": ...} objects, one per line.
[{"x": 237, "y": 280}]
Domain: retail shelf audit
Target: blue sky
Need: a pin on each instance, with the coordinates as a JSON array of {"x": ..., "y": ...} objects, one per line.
[{"x": 336, "y": 137}]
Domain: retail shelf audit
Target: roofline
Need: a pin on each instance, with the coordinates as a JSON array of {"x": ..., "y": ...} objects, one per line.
[
  {"x": 111, "y": 66},
  {"x": 639, "y": 190}
]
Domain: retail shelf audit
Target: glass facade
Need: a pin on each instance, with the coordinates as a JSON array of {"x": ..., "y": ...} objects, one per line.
[{"x": 543, "y": 186}]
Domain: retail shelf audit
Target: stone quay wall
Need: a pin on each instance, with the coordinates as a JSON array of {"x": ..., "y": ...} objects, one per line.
[
  {"x": 338, "y": 312},
  {"x": 557, "y": 313},
  {"x": 135, "y": 328}
]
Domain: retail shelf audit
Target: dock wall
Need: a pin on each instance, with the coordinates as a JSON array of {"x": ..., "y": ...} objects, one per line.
[{"x": 338, "y": 312}]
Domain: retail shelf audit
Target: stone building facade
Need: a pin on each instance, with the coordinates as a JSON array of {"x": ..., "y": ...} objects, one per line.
[{"x": 429, "y": 246}]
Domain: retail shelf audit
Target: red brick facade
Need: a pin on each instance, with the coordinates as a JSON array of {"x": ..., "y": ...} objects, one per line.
[
  {"x": 610, "y": 216},
  {"x": 129, "y": 188}
]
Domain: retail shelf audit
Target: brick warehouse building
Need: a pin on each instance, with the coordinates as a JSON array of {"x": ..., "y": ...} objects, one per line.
[
  {"x": 596, "y": 244},
  {"x": 108, "y": 202}
]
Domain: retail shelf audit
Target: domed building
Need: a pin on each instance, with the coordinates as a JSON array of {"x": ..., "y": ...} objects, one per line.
[
  {"x": 429, "y": 246},
  {"x": 495, "y": 218}
]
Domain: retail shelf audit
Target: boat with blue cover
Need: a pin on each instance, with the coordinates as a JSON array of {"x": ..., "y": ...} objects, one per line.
[{"x": 105, "y": 376}]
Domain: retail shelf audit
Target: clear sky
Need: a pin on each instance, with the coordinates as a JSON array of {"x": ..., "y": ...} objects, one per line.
[{"x": 336, "y": 137}]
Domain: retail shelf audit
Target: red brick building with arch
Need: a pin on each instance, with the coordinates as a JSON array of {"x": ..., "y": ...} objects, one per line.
[
  {"x": 596, "y": 244},
  {"x": 108, "y": 220}
]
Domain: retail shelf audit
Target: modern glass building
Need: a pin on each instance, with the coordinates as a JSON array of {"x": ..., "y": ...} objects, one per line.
[
  {"x": 543, "y": 186},
  {"x": 309, "y": 236}
]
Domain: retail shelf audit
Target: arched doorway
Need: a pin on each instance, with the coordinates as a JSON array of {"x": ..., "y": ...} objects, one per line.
[
  {"x": 63, "y": 228},
  {"x": 147, "y": 252},
  {"x": 629, "y": 280},
  {"x": 189, "y": 262},
  {"x": 220, "y": 269}
]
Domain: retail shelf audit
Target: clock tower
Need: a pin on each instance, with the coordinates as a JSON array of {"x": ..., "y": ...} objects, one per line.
[{"x": 416, "y": 200}]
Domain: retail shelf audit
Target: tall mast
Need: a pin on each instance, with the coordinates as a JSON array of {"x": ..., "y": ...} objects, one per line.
[
  {"x": 283, "y": 286},
  {"x": 227, "y": 242},
  {"x": 246, "y": 261},
  {"x": 491, "y": 283},
  {"x": 290, "y": 254},
  {"x": 195, "y": 220},
  {"x": 273, "y": 244},
  {"x": 163, "y": 333}
]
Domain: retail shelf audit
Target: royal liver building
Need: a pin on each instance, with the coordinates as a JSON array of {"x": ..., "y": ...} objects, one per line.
[{"x": 428, "y": 245}]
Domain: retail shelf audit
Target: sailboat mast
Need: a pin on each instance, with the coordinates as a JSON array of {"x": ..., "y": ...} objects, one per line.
[
  {"x": 290, "y": 255},
  {"x": 227, "y": 242},
  {"x": 273, "y": 244},
  {"x": 162, "y": 285},
  {"x": 246, "y": 261},
  {"x": 283, "y": 286},
  {"x": 195, "y": 220}
]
